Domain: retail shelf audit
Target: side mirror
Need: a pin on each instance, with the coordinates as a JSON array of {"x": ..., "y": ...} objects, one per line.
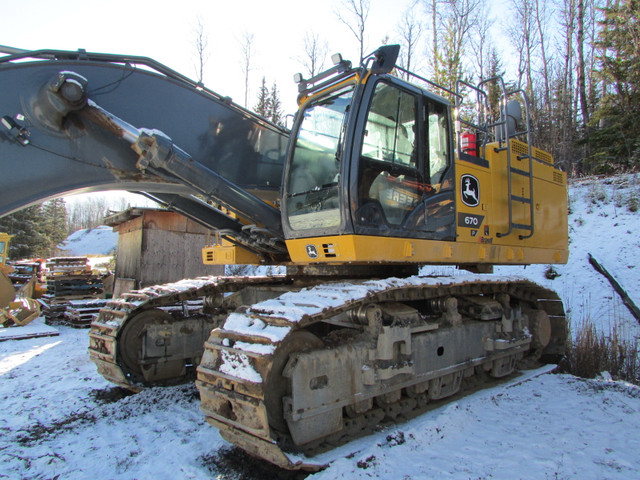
[{"x": 385, "y": 59}]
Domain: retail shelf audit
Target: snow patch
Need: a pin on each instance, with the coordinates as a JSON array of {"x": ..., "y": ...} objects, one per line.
[
  {"x": 101, "y": 240},
  {"x": 248, "y": 325},
  {"x": 238, "y": 365}
]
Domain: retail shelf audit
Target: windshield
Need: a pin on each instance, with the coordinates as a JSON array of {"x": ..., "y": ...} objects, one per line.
[{"x": 312, "y": 189}]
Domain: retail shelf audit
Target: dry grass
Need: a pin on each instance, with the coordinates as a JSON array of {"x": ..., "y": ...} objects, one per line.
[{"x": 591, "y": 352}]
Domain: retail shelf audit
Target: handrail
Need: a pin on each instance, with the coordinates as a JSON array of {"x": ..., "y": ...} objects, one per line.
[{"x": 500, "y": 131}]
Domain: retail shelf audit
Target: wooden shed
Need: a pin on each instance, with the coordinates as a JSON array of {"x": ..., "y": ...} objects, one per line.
[{"x": 157, "y": 246}]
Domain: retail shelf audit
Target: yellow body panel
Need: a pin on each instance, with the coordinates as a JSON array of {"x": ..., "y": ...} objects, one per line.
[
  {"x": 342, "y": 249},
  {"x": 228, "y": 254},
  {"x": 4, "y": 247},
  {"x": 549, "y": 201}
]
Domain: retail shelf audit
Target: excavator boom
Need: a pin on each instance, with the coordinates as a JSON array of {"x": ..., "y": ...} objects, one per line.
[{"x": 69, "y": 121}]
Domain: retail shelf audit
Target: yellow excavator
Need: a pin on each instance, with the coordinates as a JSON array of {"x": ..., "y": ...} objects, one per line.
[
  {"x": 16, "y": 308},
  {"x": 378, "y": 177}
]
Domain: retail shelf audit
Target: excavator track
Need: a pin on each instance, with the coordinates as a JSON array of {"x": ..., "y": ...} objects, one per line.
[
  {"x": 314, "y": 368},
  {"x": 155, "y": 336}
]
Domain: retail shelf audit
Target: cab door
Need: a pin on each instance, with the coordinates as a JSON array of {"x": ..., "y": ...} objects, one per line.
[{"x": 401, "y": 161}]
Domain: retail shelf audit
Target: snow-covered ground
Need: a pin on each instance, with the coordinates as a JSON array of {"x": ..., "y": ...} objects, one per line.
[
  {"x": 61, "y": 420},
  {"x": 101, "y": 240}
]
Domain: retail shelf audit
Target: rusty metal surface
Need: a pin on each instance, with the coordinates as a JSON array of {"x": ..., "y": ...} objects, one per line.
[{"x": 108, "y": 352}]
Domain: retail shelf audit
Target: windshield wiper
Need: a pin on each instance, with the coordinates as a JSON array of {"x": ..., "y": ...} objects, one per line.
[{"x": 315, "y": 196}]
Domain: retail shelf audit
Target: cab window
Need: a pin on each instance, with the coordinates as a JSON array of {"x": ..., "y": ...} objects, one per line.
[
  {"x": 438, "y": 141},
  {"x": 312, "y": 189}
]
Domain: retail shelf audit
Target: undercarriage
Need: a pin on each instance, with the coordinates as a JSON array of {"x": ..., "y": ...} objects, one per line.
[{"x": 293, "y": 369}]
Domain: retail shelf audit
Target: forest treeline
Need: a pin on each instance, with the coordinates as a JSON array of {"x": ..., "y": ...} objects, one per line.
[{"x": 577, "y": 60}]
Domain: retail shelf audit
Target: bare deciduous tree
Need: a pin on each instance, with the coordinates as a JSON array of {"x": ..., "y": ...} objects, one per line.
[
  {"x": 315, "y": 53},
  {"x": 592, "y": 33},
  {"x": 522, "y": 35},
  {"x": 201, "y": 43},
  {"x": 457, "y": 19},
  {"x": 481, "y": 41},
  {"x": 565, "y": 113},
  {"x": 354, "y": 14},
  {"x": 246, "y": 51},
  {"x": 410, "y": 31},
  {"x": 582, "y": 83},
  {"x": 432, "y": 11},
  {"x": 542, "y": 20}
]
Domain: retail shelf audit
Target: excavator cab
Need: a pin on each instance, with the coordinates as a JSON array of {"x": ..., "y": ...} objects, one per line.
[
  {"x": 372, "y": 159},
  {"x": 380, "y": 170},
  {"x": 4, "y": 238}
]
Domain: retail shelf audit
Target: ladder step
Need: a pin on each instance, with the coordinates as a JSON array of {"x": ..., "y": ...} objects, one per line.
[
  {"x": 524, "y": 173},
  {"x": 520, "y": 199}
]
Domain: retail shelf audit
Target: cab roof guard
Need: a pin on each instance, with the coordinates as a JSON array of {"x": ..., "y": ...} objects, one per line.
[
  {"x": 383, "y": 60},
  {"x": 341, "y": 69}
]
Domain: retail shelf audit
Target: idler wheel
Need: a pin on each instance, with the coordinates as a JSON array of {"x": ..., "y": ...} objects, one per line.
[{"x": 132, "y": 336}]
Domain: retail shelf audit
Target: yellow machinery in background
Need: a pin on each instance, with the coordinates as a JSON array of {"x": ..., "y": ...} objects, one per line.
[{"x": 15, "y": 308}]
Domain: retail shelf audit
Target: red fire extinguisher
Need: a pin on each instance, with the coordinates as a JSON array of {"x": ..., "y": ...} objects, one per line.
[{"x": 468, "y": 143}]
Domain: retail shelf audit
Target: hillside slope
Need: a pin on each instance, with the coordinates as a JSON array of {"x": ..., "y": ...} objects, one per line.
[
  {"x": 101, "y": 240},
  {"x": 601, "y": 223}
]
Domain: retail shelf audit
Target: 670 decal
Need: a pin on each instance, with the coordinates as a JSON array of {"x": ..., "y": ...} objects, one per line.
[{"x": 469, "y": 220}]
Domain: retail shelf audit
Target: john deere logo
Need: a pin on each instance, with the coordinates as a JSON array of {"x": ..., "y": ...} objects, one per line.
[
  {"x": 470, "y": 190},
  {"x": 312, "y": 251}
]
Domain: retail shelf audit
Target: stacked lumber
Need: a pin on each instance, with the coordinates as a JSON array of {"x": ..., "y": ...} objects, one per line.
[
  {"x": 80, "y": 313},
  {"x": 68, "y": 266},
  {"x": 69, "y": 280}
]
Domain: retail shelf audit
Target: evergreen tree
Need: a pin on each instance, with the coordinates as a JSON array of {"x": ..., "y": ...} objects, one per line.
[
  {"x": 55, "y": 224},
  {"x": 262, "y": 107},
  {"x": 269, "y": 104},
  {"x": 494, "y": 90},
  {"x": 37, "y": 229},
  {"x": 275, "y": 106},
  {"x": 615, "y": 141},
  {"x": 25, "y": 225},
  {"x": 450, "y": 61}
]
